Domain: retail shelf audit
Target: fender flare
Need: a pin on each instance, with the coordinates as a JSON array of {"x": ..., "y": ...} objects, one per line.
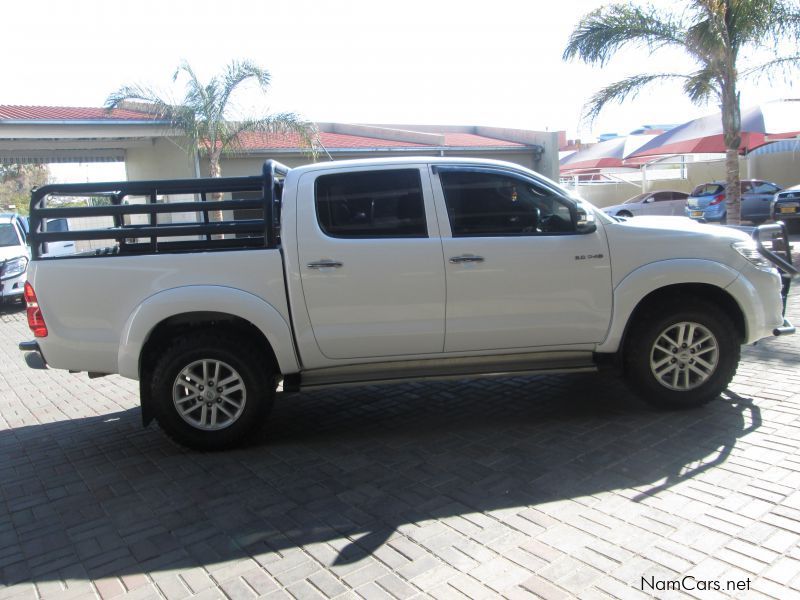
[
  {"x": 204, "y": 298},
  {"x": 656, "y": 275}
]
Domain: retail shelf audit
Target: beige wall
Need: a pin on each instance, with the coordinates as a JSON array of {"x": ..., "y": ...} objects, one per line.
[
  {"x": 607, "y": 194},
  {"x": 163, "y": 159},
  {"x": 782, "y": 168}
]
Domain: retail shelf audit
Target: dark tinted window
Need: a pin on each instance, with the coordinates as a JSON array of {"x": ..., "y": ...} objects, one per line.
[
  {"x": 636, "y": 199},
  {"x": 57, "y": 225},
  {"x": 707, "y": 189},
  {"x": 8, "y": 235},
  {"x": 370, "y": 204},
  {"x": 762, "y": 187},
  {"x": 662, "y": 196},
  {"x": 489, "y": 204}
]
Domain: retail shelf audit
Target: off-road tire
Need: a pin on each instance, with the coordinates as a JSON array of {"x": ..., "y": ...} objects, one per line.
[
  {"x": 244, "y": 357},
  {"x": 641, "y": 354}
]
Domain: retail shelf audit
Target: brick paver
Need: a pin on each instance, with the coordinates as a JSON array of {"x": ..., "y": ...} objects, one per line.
[{"x": 549, "y": 486}]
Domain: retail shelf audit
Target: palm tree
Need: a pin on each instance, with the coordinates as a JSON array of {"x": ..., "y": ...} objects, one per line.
[
  {"x": 714, "y": 34},
  {"x": 201, "y": 116}
]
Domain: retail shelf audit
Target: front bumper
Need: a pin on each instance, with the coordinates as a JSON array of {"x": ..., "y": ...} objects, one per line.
[
  {"x": 13, "y": 288},
  {"x": 780, "y": 255}
]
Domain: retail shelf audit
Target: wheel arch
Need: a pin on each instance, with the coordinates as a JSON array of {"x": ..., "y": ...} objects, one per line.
[
  {"x": 173, "y": 311},
  {"x": 682, "y": 291},
  {"x": 665, "y": 280}
]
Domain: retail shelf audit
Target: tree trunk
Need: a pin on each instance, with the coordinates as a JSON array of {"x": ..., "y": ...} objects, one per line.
[
  {"x": 731, "y": 127},
  {"x": 731, "y": 122},
  {"x": 215, "y": 171}
]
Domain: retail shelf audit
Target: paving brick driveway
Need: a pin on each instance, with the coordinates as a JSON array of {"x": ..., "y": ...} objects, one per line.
[{"x": 553, "y": 486}]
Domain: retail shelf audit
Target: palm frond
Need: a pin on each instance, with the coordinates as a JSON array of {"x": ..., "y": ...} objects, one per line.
[
  {"x": 784, "y": 65},
  {"x": 622, "y": 90},
  {"x": 602, "y": 32},
  {"x": 701, "y": 86},
  {"x": 236, "y": 73},
  {"x": 201, "y": 114},
  {"x": 285, "y": 122}
]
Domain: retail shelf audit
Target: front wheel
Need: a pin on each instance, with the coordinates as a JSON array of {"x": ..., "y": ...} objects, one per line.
[
  {"x": 681, "y": 358},
  {"x": 212, "y": 391}
]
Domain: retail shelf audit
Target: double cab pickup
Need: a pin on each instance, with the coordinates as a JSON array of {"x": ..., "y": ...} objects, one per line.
[{"x": 216, "y": 293}]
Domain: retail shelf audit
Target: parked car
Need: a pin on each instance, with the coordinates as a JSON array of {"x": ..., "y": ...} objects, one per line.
[
  {"x": 60, "y": 248},
  {"x": 665, "y": 202},
  {"x": 14, "y": 256},
  {"x": 786, "y": 207},
  {"x": 707, "y": 201},
  {"x": 381, "y": 270}
]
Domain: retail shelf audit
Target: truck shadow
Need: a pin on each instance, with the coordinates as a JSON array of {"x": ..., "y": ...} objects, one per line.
[{"x": 99, "y": 497}]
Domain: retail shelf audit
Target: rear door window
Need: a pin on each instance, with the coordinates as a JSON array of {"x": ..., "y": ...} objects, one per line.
[
  {"x": 762, "y": 187},
  {"x": 371, "y": 204},
  {"x": 707, "y": 189}
]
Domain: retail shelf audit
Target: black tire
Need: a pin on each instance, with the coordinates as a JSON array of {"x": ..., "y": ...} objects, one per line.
[
  {"x": 237, "y": 415},
  {"x": 658, "y": 385},
  {"x": 625, "y": 213}
]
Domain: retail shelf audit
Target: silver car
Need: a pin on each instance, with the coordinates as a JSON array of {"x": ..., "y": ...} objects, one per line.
[{"x": 662, "y": 202}]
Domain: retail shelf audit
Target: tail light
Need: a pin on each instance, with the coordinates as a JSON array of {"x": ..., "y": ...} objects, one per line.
[
  {"x": 35, "y": 318},
  {"x": 717, "y": 199}
]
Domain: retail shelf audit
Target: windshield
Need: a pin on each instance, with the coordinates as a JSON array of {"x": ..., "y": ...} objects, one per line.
[
  {"x": 636, "y": 199},
  {"x": 707, "y": 189},
  {"x": 8, "y": 235}
]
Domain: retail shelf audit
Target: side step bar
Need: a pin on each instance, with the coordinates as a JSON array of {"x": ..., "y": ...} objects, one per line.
[{"x": 538, "y": 363}]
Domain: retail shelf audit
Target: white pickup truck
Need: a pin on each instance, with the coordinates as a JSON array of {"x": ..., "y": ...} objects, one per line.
[{"x": 215, "y": 293}]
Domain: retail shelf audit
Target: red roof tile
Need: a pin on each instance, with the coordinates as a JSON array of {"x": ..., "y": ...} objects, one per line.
[
  {"x": 466, "y": 140},
  {"x": 262, "y": 141},
  {"x": 250, "y": 141},
  {"x": 71, "y": 113},
  {"x": 259, "y": 141}
]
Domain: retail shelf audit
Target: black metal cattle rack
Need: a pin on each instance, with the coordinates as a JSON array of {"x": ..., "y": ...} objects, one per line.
[{"x": 260, "y": 232}]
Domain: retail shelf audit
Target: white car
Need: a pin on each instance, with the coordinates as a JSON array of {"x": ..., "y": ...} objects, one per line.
[
  {"x": 387, "y": 270},
  {"x": 665, "y": 202},
  {"x": 14, "y": 257}
]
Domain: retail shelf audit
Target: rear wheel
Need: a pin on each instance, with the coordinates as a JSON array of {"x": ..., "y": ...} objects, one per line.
[
  {"x": 212, "y": 390},
  {"x": 681, "y": 358},
  {"x": 625, "y": 213}
]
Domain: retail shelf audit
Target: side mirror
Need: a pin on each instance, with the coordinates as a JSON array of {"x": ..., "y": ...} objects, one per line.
[
  {"x": 584, "y": 221},
  {"x": 649, "y": 200}
]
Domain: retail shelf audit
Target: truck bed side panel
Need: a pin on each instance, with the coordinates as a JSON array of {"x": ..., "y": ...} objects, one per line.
[{"x": 86, "y": 302}]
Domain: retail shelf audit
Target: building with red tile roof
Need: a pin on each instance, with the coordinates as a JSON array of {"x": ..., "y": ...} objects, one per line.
[{"x": 136, "y": 135}]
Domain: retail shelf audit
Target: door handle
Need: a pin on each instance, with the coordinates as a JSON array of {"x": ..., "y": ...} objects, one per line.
[
  {"x": 466, "y": 258},
  {"x": 324, "y": 264}
]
